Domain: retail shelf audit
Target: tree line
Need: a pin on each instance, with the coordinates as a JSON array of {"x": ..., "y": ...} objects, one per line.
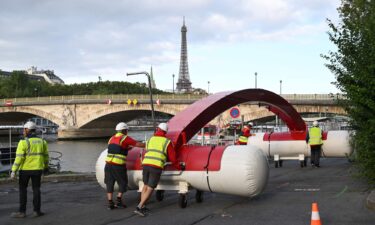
[{"x": 20, "y": 85}]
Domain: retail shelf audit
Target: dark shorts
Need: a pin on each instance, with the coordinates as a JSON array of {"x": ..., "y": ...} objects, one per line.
[
  {"x": 151, "y": 176},
  {"x": 114, "y": 173}
]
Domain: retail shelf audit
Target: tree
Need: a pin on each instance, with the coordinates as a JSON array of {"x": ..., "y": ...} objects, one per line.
[{"x": 353, "y": 64}]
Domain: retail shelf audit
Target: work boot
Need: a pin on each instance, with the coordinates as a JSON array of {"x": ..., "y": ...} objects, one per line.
[
  {"x": 37, "y": 214},
  {"x": 18, "y": 215},
  {"x": 111, "y": 205},
  {"x": 140, "y": 211},
  {"x": 119, "y": 204}
]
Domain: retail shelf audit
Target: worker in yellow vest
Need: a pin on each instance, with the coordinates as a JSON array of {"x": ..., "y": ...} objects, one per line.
[
  {"x": 159, "y": 150},
  {"x": 31, "y": 160},
  {"x": 245, "y": 134},
  {"x": 115, "y": 167},
  {"x": 315, "y": 139}
]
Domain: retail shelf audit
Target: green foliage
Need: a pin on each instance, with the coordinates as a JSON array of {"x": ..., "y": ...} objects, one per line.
[
  {"x": 354, "y": 67},
  {"x": 19, "y": 85}
]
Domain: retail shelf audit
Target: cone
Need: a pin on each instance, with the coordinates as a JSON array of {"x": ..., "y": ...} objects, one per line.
[{"x": 315, "y": 218}]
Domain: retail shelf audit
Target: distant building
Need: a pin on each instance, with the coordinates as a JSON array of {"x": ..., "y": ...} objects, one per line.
[
  {"x": 35, "y": 74},
  {"x": 48, "y": 75}
]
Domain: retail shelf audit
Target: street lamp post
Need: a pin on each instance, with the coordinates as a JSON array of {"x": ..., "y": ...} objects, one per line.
[
  {"x": 208, "y": 87},
  {"x": 150, "y": 92},
  {"x": 36, "y": 92},
  {"x": 173, "y": 83},
  {"x": 256, "y": 74},
  {"x": 280, "y": 85}
]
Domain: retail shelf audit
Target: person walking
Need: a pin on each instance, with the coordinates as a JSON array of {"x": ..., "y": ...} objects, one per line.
[
  {"x": 115, "y": 167},
  {"x": 31, "y": 160},
  {"x": 314, "y": 139},
  {"x": 245, "y": 134},
  {"x": 159, "y": 150}
]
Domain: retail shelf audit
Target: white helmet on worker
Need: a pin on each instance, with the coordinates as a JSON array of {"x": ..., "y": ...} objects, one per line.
[
  {"x": 30, "y": 125},
  {"x": 250, "y": 124},
  {"x": 315, "y": 123},
  {"x": 122, "y": 126},
  {"x": 163, "y": 126}
]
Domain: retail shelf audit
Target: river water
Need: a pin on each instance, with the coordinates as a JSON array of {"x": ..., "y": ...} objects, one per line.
[{"x": 81, "y": 156}]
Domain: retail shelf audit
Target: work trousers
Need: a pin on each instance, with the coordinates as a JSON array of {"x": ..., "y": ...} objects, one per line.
[
  {"x": 315, "y": 154},
  {"x": 24, "y": 177}
]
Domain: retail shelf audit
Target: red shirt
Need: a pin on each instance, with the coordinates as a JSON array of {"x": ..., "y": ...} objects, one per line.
[
  {"x": 171, "y": 153},
  {"x": 126, "y": 145}
]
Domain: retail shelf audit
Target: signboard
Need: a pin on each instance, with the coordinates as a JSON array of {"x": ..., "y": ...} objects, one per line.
[
  {"x": 234, "y": 112},
  {"x": 158, "y": 102},
  {"x": 8, "y": 103}
]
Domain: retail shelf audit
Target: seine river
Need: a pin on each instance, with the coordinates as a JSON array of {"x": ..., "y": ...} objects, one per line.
[{"x": 81, "y": 156}]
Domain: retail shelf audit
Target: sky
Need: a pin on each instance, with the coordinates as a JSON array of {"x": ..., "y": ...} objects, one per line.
[{"x": 228, "y": 41}]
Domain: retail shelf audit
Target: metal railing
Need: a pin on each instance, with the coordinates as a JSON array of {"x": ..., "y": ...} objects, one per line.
[{"x": 51, "y": 99}]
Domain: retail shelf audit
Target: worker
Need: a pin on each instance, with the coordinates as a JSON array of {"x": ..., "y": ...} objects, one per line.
[
  {"x": 245, "y": 134},
  {"x": 159, "y": 150},
  {"x": 31, "y": 161},
  {"x": 115, "y": 167},
  {"x": 314, "y": 139}
]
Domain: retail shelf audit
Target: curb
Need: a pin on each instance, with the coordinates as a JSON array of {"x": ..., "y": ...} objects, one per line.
[
  {"x": 55, "y": 178},
  {"x": 370, "y": 201}
]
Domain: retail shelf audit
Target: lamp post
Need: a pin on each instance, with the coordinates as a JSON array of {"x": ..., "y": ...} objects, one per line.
[
  {"x": 256, "y": 74},
  {"x": 150, "y": 92},
  {"x": 208, "y": 87},
  {"x": 280, "y": 85},
  {"x": 173, "y": 83},
  {"x": 36, "y": 92}
]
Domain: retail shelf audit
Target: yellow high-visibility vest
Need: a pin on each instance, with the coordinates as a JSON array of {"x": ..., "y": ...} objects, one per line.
[
  {"x": 116, "y": 154},
  {"x": 243, "y": 139},
  {"x": 315, "y": 136},
  {"x": 156, "y": 151},
  {"x": 31, "y": 154}
]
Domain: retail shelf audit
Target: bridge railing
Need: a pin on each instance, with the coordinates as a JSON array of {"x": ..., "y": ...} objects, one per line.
[{"x": 155, "y": 97}]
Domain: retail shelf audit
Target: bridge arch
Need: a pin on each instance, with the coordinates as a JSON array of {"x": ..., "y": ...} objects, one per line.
[
  {"x": 122, "y": 112},
  {"x": 24, "y": 113}
]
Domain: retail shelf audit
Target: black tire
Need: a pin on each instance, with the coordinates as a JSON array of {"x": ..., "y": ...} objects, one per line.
[
  {"x": 305, "y": 162},
  {"x": 159, "y": 195},
  {"x": 182, "y": 200},
  {"x": 302, "y": 164},
  {"x": 281, "y": 163},
  {"x": 276, "y": 164},
  {"x": 199, "y": 196}
]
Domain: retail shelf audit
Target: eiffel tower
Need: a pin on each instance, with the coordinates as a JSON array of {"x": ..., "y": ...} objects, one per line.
[{"x": 183, "y": 83}]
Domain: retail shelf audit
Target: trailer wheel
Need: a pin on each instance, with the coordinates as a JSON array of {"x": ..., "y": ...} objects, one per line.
[
  {"x": 159, "y": 195},
  {"x": 305, "y": 162},
  {"x": 276, "y": 164},
  {"x": 281, "y": 163},
  {"x": 302, "y": 164},
  {"x": 199, "y": 196},
  {"x": 182, "y": 200}
]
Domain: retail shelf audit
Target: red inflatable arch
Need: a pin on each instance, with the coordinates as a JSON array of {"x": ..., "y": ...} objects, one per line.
[{"x": 187, "y": 123}]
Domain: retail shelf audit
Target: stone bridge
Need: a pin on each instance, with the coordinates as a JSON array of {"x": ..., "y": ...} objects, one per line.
[{"x": 96, "y": 115}]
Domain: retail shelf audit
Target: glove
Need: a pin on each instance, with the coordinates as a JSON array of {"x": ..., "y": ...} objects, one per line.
[
  {"x": 46, "y": 171},
  {"x": 13, "y": 175},
  {"x": 182, "y": 166}
]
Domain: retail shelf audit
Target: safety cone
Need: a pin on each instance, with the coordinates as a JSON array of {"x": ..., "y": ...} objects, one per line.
[{"x": 315, "y": 218}]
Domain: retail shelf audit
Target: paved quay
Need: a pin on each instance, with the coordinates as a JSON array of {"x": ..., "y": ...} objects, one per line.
[{"x": 342, "y": 200}]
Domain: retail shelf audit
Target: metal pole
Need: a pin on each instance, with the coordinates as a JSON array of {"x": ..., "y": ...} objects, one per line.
[
  {"x": 256, "y": 74},
  {"x": 173, "y": 83},
  {"x": 150, "y": 92},
  {"x": 280, "y": 85},
  {"x": 208, "y": 87}
]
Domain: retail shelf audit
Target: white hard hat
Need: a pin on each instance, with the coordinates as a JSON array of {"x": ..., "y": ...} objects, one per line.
[
  {"x": 30, "y": 125},
  {"x": 315, "y": 123},
  {"x": 122, "y": 126},
  {"x": 163, "y": 126},
  {"x": 250, "y": 124}
]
